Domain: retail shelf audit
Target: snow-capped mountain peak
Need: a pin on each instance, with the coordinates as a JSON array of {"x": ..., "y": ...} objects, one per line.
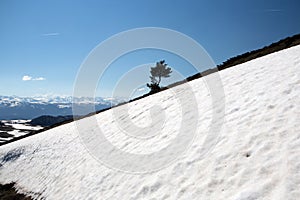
[{"x": 14, "y": 107}]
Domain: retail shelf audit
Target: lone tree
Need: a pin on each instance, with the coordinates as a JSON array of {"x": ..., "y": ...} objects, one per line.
[{"x": 159, "y": 71}]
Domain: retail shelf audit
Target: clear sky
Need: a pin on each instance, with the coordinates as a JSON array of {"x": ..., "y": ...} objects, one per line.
[{"x": 43, "y": 43}]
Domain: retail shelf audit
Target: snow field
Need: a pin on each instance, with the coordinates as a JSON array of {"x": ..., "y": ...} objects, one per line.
[{"x": 257, "y": 155}]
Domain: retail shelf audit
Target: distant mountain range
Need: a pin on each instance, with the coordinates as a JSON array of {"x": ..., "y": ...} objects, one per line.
[{"x": 14, "y": 107}]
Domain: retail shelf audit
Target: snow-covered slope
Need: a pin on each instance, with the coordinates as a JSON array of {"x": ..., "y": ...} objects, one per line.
[{"x": 257, "y": 155}]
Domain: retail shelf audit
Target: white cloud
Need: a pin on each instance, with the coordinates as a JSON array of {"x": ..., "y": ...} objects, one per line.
[
  {"x": 50, "y": 34},
  {"x": 29, "y": 78}
]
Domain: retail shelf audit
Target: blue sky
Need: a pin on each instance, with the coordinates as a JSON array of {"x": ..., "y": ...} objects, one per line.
[{"x": 47, "y": 41}]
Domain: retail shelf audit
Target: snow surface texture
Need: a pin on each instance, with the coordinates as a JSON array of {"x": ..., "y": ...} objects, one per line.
[{"x": 257, "y": 155}]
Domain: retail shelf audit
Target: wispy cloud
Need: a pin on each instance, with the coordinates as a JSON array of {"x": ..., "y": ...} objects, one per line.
[
  {"x": 272, "y": 10},
  {"x": 50, "y": 34},
  {"x": 141, "y": 89},
  {"x": 29, "y": 78},
  {"x": 39, "y": 79},
  {"x": 268, "y": 10}
]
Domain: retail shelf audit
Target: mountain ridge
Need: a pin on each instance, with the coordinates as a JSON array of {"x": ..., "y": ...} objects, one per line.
[{"x": 15, "y": 107}]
